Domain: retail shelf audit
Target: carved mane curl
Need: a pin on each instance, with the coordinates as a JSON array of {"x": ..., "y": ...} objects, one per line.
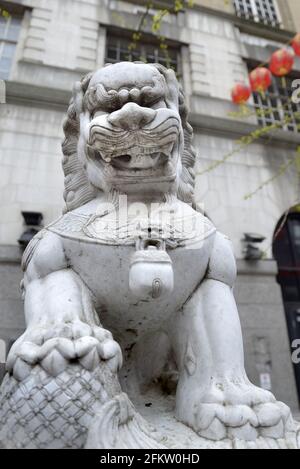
[{"x": 78, "y": 189}]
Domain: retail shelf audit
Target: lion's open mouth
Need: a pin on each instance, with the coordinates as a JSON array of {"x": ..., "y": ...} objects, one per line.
[
  {"x": 139, "y": 159},
  {"x": 136, "y": 161},
  {"x": 149, "y": 153}
]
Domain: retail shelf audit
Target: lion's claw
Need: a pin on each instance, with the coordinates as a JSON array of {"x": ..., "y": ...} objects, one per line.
[
  {"x": 217, "y": 422},
  {"x": 248, "y": 421},
  {"x": 55, "y": 348}
]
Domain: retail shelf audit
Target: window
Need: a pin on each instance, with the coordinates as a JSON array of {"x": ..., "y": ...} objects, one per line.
[
  {"x": 276, "y": 105},
  {"x": 9, "y": 33},
  {"x": 260, "y": 11},
  {"x": 118, "y": 50}
]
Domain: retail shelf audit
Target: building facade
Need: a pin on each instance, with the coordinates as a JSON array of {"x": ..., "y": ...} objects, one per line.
[{"x": 47, "y": 45}]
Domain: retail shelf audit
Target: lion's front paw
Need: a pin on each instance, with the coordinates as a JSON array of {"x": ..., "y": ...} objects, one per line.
[
  {"x": 236, "y": 411},
  {"x": 54, "y": 347}
]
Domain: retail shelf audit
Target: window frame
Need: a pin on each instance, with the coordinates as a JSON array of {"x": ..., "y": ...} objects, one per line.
[
  {"x": 275, "y": 99},
  {"x": 255, "y": 16},
  {"x": 122, "y": 36},
  {"x": 6, "y": 40}
]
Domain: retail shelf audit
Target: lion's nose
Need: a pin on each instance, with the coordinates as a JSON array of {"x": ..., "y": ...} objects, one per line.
[{"x": 132, "y": 117}]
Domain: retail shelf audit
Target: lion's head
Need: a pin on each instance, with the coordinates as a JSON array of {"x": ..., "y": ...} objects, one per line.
[{"x": 127, "y": 130}]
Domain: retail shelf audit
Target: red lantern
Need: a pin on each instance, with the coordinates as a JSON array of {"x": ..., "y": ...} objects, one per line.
[
  {"x": 260, "y": 79},
  {"x": 281, "y": 62},
  {"x": 296, "y": 44},
  {"x": 240, "y": 93}
]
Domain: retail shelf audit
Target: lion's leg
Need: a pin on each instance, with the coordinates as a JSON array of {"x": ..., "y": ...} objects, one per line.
[
  {"x": 214, "y": 395},
  {"x": 62, "y": 389},
  {"x": 60, "y": 371},
  {"x": 60, "y": 318},
  {"x": 208, "y": 338},
  {"x": 59, "y": 311}
]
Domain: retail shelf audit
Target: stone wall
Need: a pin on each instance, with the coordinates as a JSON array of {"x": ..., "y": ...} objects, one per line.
[
  {"x": 30, "y": 160},
  {"x": 222, "y": 190},
  {"x": 290, "y": 12},
  {"x": 267, "y": 348},
  {"x": 220, "y": 5}
]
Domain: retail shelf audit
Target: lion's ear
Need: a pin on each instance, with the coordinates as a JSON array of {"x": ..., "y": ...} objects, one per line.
[
  {"x": 172, "y": 95},
  {"x": 188, "y": 158},
  {"x": 78, "y": 189}
]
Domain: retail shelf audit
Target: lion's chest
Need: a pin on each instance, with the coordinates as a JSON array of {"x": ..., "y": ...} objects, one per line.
[{"x": 105, "y": 270}]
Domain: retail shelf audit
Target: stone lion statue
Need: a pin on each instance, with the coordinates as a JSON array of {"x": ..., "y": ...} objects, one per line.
[{"x": 132, "y": 272}]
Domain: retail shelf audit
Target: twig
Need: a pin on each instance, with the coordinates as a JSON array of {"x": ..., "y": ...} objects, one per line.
[{"x": 279, "y": 173}]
